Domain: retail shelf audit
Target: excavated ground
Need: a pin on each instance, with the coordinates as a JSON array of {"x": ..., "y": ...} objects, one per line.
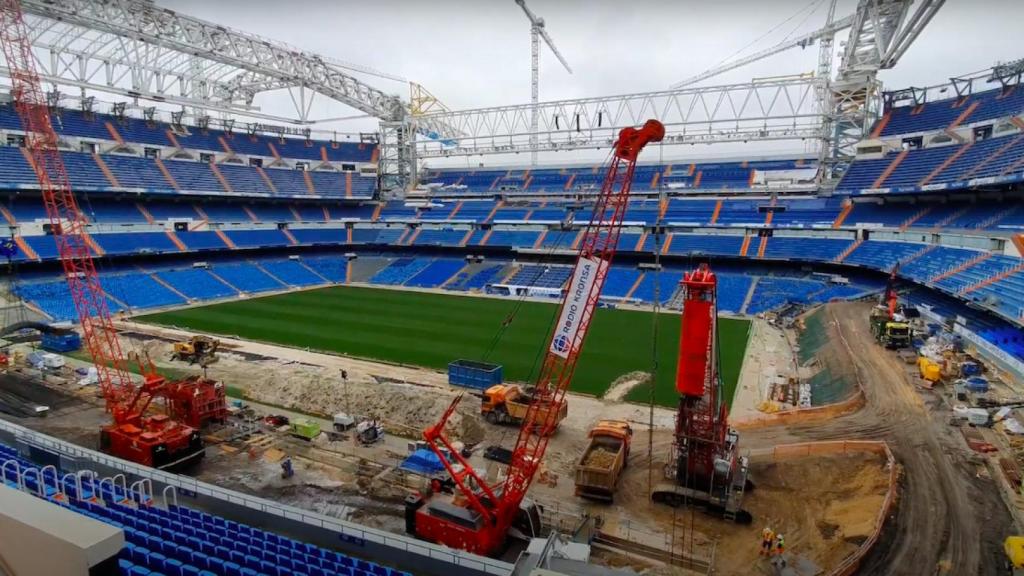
[{"x": 949, "y": 518}]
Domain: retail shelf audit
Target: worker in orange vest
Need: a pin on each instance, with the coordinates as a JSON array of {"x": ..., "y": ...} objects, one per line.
[{"x": 767, "y": 538}]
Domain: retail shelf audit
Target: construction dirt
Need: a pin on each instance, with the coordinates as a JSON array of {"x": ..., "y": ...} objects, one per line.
[
  {"x": 623, "y": 384},
  {"x": 825, "y": 506},
  {"x": 320, "y": 391},
  {"x": 600, "y": 457},
  {"x": 949, "y": 518}
]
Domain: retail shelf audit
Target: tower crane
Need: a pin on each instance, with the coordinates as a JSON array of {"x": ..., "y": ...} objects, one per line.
[
  {"x": 802, "y": 41},
  {"x": 706, "y": 469},
  {"x": 537, "y": 31},
  {"x": 478, "y": 518},
  {"x": 153, "y": 440}
]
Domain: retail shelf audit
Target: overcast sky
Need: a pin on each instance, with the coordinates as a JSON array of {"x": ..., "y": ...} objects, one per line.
[{"x": 473, "y": 53}]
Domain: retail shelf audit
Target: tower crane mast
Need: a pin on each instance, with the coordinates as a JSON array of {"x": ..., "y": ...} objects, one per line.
[
  {"x": 479, "y": 517},
  {"x": 151, "y": 440},
  {"x": 538, "y": 31}
]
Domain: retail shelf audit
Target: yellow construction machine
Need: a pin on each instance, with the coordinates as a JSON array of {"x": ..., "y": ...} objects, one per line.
[{"x": 198, "y": 349}]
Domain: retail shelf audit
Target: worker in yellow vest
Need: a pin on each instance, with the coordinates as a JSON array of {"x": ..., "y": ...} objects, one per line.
[
  {"x": 780, "y": 544},
  {"x": 767, "y": 537}
]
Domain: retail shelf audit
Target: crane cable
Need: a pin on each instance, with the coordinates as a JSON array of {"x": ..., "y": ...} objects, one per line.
[
  {"x": 770, "y": 31},
  {"x": 517, "y": 306}
]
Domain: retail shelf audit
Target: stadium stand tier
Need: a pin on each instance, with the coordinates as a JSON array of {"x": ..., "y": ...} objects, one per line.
[
  {"x": 229, "y": 227},
  {"x": 175, "y": 540}
]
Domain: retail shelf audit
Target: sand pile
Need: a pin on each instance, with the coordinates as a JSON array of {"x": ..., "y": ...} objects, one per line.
[
  {"x": 623, "y": 384},
  {"x": 600, "y": 457}
]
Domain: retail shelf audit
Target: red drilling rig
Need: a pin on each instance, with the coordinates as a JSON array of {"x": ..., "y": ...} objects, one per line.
[
  {"x": 156, "y": 440},
  {"x": 478, "y": 517},
  {"x": 706, "y": 469}
]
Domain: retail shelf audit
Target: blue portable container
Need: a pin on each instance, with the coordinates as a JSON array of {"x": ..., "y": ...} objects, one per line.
[
  {"x": 977, "y": 384},
  {"x": 968, "y": 369},
  {"x": 61, "y": 341},
  {"x": 476, "y": 375}
]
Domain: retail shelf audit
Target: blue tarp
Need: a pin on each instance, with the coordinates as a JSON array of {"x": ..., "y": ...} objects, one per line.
[{"x": 423, "y": 461}]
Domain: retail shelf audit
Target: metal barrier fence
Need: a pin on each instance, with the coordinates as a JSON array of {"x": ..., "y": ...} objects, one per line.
[{"x": 185, "y": 484}]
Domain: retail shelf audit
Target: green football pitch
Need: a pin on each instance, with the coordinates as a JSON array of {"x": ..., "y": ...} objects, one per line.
[{"x": 431, "y": 330}]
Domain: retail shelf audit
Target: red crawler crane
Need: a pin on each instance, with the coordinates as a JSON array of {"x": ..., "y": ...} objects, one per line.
[
  {"x": 150, "y": 440},
  {"x": 706, "y": 469},
  {"x": 478, "y": 518}
]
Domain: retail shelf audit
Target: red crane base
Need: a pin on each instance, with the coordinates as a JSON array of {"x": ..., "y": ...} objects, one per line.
[
  {"x": 441, "y": 520},
  {"x": 196, "y": 401},
  {"x": 157, "y": 442}
]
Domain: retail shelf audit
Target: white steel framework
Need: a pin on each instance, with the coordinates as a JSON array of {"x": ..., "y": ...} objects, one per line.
[
  {"x": 881, "y": 32},
  {"x": 771, "y": 109},
  {"x": 136, "y": 49},
  {"x": 136, "y": 46}
]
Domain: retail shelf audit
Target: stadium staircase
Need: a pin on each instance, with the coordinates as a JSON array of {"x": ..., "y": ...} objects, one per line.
[
  {"x": 849, "y": 250},
  {"x": 164, "y": 283},
  {"x": 917, "y": 216},
  {"x": 263, "y": 269},
  {"x": 950, "y": 218},
  {"x": 749, "y": 296},
  {"x": 880, "y": 181}
]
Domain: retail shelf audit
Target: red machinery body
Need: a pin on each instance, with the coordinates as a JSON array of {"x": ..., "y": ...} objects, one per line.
[
  {"x": 706, "y": 469},
  {"x": 702, "y": 420},
  {"x": 477, "y": 519},
  {"x": 151, "y": 440},
  {"x": 196, "y": 401},
  {"x": 891, "y": 296}
]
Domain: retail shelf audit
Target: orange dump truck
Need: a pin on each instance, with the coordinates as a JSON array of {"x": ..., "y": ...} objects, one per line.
[
  {"x": 599, "y": 470},
  {"x": 508, "y": 404}
]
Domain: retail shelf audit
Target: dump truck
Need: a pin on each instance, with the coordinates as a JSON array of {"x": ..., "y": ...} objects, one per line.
[
  {"x": 508, "y": 403},
  {"x": 890, "y": 332},
  {"x": 602, "y": 463},
  {"x": 198, "y": 349}
]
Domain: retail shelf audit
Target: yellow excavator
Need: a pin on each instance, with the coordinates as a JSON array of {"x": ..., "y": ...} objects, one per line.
[
  {"x": 198, "y": 349},
  {"x": 1013, "y": 547}
]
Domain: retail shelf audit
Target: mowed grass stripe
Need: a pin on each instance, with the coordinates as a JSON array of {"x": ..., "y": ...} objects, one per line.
[{"x": 431, "y": 330}]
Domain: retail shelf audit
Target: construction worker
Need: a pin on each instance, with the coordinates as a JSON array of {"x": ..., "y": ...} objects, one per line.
[
  {"x": 780, "y": 544},
  {"x": 767, "y": 536}
]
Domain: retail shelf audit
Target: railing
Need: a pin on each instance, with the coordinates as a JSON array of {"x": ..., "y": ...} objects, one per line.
[{"x": 191, "y": 485}]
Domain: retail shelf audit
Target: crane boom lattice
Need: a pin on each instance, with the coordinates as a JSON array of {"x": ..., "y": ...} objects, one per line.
[
  {"x": 157, "y": 440},
  {"x": 479, "y": 518}
]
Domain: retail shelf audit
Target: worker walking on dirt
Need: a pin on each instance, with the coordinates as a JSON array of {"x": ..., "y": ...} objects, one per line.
[
  {"x": 780, "y": 544},
  {"x": 767, "y": 536}
]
